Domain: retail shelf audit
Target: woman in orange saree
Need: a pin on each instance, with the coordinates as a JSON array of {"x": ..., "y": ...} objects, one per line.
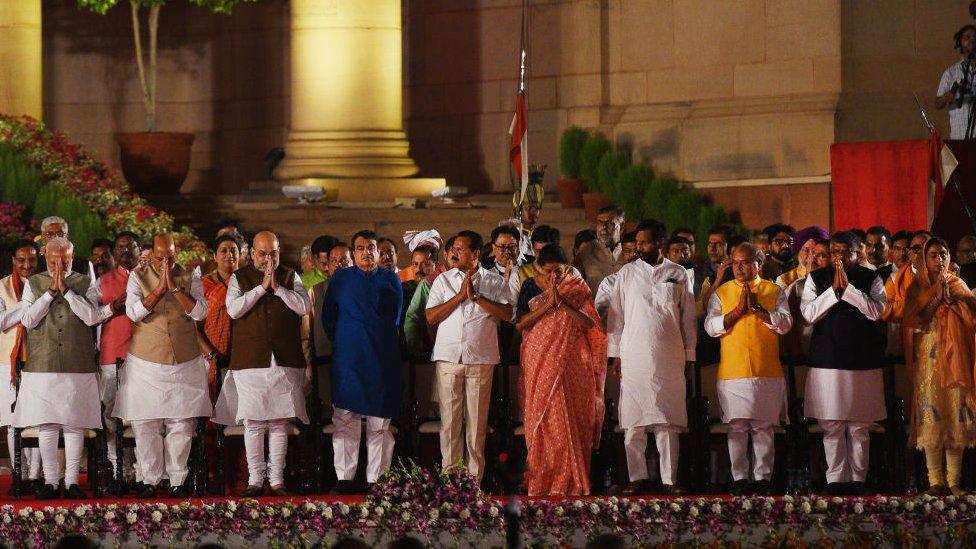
[
  {"x": 564, "y": 358},
  {"x": 214, "y": 331},
  {"x": 940, "y": 332}
]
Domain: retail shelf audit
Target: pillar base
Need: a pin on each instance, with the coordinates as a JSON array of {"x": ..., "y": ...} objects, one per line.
[
  {"x": 364, "y": 189},
  {"x": 331, "y": 154}
]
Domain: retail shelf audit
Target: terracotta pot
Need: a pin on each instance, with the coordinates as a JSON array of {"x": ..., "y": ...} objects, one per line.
[
  {"x": 155, "y": 162},
  {"x": 571, "y": 193},
  {"x": 593, "y": 202}
]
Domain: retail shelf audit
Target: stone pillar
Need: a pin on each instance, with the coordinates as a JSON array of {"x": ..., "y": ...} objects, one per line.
[
  {"x": 346, "y": 94},
  {"x": 20, "y": 58}
]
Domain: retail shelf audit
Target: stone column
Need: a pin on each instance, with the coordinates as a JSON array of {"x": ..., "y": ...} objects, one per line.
[
  {"x": 346, "y": 92},
  {"x": 20, "y": 57}
]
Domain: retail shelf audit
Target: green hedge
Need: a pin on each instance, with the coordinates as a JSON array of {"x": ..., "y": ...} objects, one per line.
[
  {"x": 570, "y": 146},
  {"x": 590, "y": 155},
  {"x": 21, "y": 179}
]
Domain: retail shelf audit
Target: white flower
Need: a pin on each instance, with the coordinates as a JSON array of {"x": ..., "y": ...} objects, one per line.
[
  {"x": 446, "y": 505},
  {"x": 788, "y": 508},
  {"x": 655, "y": 508},
  {"x": 110, "y": 515},
  {"x": 6, "y": 518},
  {"x": 927, "y": 507},
  {"x": 270, "y": 510},
  {"x": 81, "y": 510},
  {"x": 788, "y": 498},
  {"x": 309, "y": 506},
  {"x": 162, "y": 506},
  {"x": 254, "y": 514},
  {"x": 578, "y": 504},
  {"x": 963, "y": 507},
  {"x": 38, "y": 515},
  {"x": 693, "y": 511},
  {"x": 379, "y": 511},
  {"x": 131, "y": 517},
  {"x": 228, "y": 514},
  {"x": 882, "y": 500},
  {"x": 821, "y": 504},
  {"x": 364, "y": 511},
  {"x": 493, "y": 510},
  {"x": 434, "y": 513},
  {"x": 25, "y": 512},
  {"x": 232, "y": 506},
  {"x": 344, "y": 509},
  {"x": 950, "y": 498},
  {"x": 285, "y": 512},
  {"x": 634, "y": 509},
  {"x": 767, "y": 506},
  {"x": 909, "y": 506},
  {"x": 894, "y": 503},
  {"x": 716, "y": 509},
  {"x": 746, "y": 505},
  {"x": 971, "y": 499},
  {"x": 700, "y": 502},
  {"x": 836, "y": 500},
  {"x": 952, "y": 514},
  {"x": 675, "y": 507},
  {"x": 405, "y": 515},
  {"x": 156, "y": 516},
  {"x": 59, "y": 519},
  {"x": 594, "y": 508},
  {"x": 559, "y": 511},
  {"x": 327, "y": 513},
  {"x": 464, "y": 514},
  {"x": 940, "y": 505},
  {"x": 859, "y": 508},
  {"x": 805, "y": 507}
]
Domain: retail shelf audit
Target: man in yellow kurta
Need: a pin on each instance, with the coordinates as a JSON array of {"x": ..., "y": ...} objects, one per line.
[{"x": 749, "y": 314}]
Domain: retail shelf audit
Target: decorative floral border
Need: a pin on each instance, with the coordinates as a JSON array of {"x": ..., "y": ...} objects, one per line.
[
  {"x": 100, "y": 187},
  {"x": 882, "y": 520}
]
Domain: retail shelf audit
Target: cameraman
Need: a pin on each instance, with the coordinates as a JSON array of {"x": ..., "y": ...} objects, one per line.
[{"x": 957, "y": 85}]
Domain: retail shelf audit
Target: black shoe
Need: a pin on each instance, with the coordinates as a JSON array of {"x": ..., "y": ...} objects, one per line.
[
  {"x": 637, "y": 488},
  {"x": 837, "y": 489},
  {"x": 762, "y": 488},
  {"x": 675, "y": 490},
  {"x": 342, "y": 488},
  {"x": 145, "y": 491},
  {"x": 180, "y": 492},
  {"x": 75, "y": 492},
  {"x": 741, "y": 487},
  {"x": 858, "y": 488},
  {"x": 46, "y": 491}
]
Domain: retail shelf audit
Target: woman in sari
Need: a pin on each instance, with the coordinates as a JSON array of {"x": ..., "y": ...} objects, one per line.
[
  {"x": 940, "y": 335},
  {"x": 564, "y": 358},
  {"x": 214, "y": 331}
]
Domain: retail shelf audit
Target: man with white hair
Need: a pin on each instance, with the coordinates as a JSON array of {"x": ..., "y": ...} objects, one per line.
[
  {"x": 164, "y": 381},
  {"x": 56, "y": 227},
  {"x": 59, "y": 387}
]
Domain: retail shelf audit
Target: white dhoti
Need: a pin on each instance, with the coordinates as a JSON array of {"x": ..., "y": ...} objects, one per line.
[
  {"x": 264, "y": 400},
  {"x": 845, "y": 403},
  {"x": 752, "y": 406},
  {"x": 30, "y": 457},
  {"x": 154, "y": 397},
  {"x": 652, "y": 399},
  {"x": 56, "y": 402},
  {"x": 345, "y": 443}
]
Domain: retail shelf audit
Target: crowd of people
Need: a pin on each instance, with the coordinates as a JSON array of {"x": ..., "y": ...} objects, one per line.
[{"x": 634, "y": 301}]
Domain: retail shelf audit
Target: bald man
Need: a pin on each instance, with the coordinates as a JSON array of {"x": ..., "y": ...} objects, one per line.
[
  {"x": 265, "y": 387},
  {"x": 749, "y": 314},
  {"x": 59, "y": 388},
  {"x": 164, "y": 380}
]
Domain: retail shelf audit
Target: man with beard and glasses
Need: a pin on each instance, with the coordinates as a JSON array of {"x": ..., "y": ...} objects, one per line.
[
  {"x": 361, "y": 317},
  {"x": 845, "y": 386},
  {"x": 116, "y": 327},
  {"x": 599, "y": 258},
  {"x": 780, "y": 257},
  {"x": 13, "y": 347},
  {"x": 651, "y": 330}
]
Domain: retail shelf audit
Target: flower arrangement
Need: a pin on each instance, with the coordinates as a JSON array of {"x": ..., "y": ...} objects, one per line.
[
  {"x": 449, "y": 503},
  {"x": 102, "y": 189},
  {"x": 12, "y": 224}
]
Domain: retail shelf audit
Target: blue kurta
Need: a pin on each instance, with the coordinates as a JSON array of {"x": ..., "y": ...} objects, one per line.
[{"x": 360, "y": 315}]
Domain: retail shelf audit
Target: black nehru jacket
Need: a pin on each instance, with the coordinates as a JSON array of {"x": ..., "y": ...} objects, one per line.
[{"x": 845, "y": 339}]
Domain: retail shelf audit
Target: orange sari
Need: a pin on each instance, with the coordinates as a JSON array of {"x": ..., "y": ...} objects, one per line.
[
  {"x": 561, "y": 388},
  {"x": 216, "y": 326}
]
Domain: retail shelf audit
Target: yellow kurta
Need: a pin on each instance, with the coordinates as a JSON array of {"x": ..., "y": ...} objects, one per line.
[{"x": 749, "y": 349}]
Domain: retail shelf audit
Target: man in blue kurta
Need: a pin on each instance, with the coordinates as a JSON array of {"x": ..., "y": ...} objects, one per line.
[{"x": 361, "y": 316}]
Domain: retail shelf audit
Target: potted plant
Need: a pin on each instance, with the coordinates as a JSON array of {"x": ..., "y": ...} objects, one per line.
[
  {"x": 571, "y": 186},
  {"x": 612, "y": 163},
  {"x": 590, "y": 155},
  {"x": 153, "y": 162}
]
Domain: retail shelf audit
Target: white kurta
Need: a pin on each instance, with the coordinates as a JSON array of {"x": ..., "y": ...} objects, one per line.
[
  {"x": 9, "y": 319},
  {"x": 163, "y": 391},
  {"x": 53, "y": 397},
  {"x": 756, "y": 398},
  {"x": 844, "y": 395},
  {"x": 260, "y": 393},
  {"x": 651, "y": 327}
]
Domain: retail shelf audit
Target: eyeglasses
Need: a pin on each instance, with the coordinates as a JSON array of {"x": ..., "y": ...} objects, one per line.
[
  {"x": 55, "y": 234},
  {"x": 508, "y": 248}
]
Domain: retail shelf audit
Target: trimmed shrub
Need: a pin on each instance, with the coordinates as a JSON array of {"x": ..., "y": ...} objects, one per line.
[
  {"x": 610, "y": 166},
  {"x": 570, "y": 146},
  {"x": 630, "y": 185},
  {"x": 593, "y": 150}
]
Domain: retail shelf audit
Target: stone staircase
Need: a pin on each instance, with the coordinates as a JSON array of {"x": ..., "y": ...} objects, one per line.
[{"x": 298, "y": 224}]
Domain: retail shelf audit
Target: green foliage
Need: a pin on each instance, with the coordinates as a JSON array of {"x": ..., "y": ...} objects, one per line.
[
  {"x": 570, "y": 146},
  {"x": 683, "y": 210},
  {"x": 215, "y": 6},
  {"x": 593, "y": 150},
  {"x": 630, "y": 185},
  {"x": 83, "y": 224},
  {"x": 658, "y": 196},
  {"x": 612, "y": 163},
  {"x": 21, "y": 179}
]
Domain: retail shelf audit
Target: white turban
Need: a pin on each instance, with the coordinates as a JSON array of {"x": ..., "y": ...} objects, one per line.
[{"x": 413, "y": 239}]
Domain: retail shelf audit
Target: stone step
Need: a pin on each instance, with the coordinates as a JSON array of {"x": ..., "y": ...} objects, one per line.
[{"x": 298, "y": 224}]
